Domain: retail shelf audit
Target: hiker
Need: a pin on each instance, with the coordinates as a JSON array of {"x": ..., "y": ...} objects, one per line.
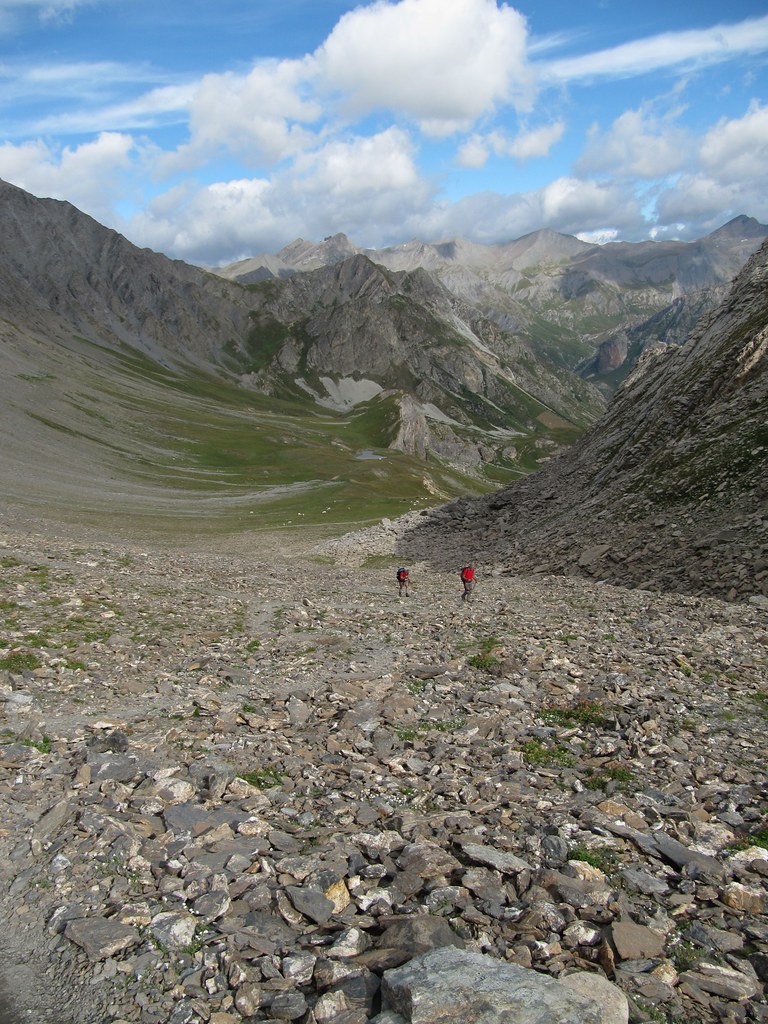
[
  {"x": 404, "y": 581},
  {"x": 468, "y": 579}
]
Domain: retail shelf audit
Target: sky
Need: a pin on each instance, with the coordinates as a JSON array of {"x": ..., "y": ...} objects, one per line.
[{"x": 215, "y": 130}]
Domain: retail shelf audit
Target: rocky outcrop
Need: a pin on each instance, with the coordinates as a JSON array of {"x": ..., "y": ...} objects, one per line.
[{"x": 668, "y": 490}]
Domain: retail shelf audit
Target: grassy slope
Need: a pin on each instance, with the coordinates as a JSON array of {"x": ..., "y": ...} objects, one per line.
[{"x": 103, "y": 434}]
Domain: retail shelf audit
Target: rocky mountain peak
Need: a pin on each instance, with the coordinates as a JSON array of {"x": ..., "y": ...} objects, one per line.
[{"x": 741, "y": 227}]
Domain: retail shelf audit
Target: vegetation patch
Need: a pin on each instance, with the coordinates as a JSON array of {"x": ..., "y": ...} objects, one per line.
[
  {"x": 580, "y": 714},
  {"x": 538, "y": 754},
  {"x": 20, "y": 661},
  {"x": 602, "y": 859},
  {"x": 263, "y": 778},
  {"x": 622, "y": 776}
]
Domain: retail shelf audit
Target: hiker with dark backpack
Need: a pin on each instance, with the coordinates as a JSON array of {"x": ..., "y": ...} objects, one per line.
[
  {"x": 404, "y": 581},
  {"x": 468, "y": 579}
]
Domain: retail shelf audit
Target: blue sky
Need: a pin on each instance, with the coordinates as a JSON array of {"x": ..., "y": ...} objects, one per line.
[{"x": 216, "y": 130}]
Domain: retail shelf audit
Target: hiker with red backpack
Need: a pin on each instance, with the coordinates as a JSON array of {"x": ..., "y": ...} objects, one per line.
[
  {"x": 404, "y": 582},
  {"x": 468, "y": 579}
]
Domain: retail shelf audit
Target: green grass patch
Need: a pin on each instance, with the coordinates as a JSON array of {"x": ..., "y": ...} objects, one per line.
[
  {"x": 43, "y": 745},
  {"x": 603, "y": 860},
  {"x": 485, "y": 662},
  {"x": 538, "y": 754},
  {"x": 580, "y": 714},
  {"x": 263, "y": 778},
  {"x": 20, "y": 661},
  {"x": 622, "y": 776},
  {"x": 427, "y": 725}
]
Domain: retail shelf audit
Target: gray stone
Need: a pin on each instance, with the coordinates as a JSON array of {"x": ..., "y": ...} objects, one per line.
[
  {"x": 101, "y": 938},
  {"x": 614, "y": 1005},
  {"x": 470, "y": 988},
  {"x": 411, "y": 936},
  {"x": 502, "y": 861},
  {"x": 683, "y": 856},
  {"x": 635, "y": 941},
  {"x": 174, "y": 929},
  {"x": 310, "y": 903}
]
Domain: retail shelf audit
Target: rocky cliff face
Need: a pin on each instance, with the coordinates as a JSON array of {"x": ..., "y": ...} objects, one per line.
[
  {"x": 62, "y": 272},
  {"x": 667, "y": 490},
  {"x": 404, "y": 331},
  {"x": 595, "y": 306}
]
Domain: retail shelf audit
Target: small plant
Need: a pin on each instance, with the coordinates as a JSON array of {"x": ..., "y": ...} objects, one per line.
[
  {"x": 416, "y": 686},
  {"x": 43, "y": 745},
  {"x": 623, "y": 776},
  {"x": 20, "y": 661},
  {"x": 761, "y": 700},
  {"x": 248, "y": 709},
  {"x": 684, "y": 954},
  {"x": 535, "y": 753},
  {"x": 758, "y": 837},
  {"x": 603, "y": 860},
  {"x": 483, "y": 661},
  {"x": 264, "y": 778},
  {"x": 425, "y": 725},
  {"x": 582, "y": 713}
]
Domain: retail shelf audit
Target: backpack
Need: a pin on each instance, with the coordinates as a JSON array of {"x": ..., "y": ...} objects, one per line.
[
  {"x": 402, "y": 575},
  {"x": 467, "y": 573}
]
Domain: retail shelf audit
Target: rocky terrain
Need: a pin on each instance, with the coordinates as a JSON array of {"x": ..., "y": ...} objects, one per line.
[
  {"x": 668, "y": 490},
  {"x": 241, "y": 780},
  {"x": 251, "y": 783}
]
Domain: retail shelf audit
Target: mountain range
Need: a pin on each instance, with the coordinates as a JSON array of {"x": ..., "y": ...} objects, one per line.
[
  {"x": 331, "y": 385},
  {"x": 591, "y": 308}
]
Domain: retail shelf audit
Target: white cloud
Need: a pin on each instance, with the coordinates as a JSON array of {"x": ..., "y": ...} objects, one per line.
[
  {"x": 737, "y": 150},
  {"x": 363, "y": 165},
  {"x": 572, "y": 204},
  {"x": 473, "y": 153},
  {"x": 730, "y": 175},
  {"x": 219, "y": 223},
  {"x": 443, "y": 64},
  {"x": 258, "y": 116},
  {"x": 367, "y": 187},
  {"x": 527, "y": 145},
  {"x": 536, "y": 142},
  {"x": 90, "y": 176},
  {"x": 47, "y": 10},
  {"x": 693, "y": 48},
  {"x": 637, "y": 144}
]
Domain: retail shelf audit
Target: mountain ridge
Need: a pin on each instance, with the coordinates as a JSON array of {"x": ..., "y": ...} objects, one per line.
[
  {"x": 565, "y": 298},
  {"x": 668, "y": 489}
]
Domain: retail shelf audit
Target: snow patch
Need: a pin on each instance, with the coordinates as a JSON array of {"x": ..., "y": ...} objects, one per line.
[{"x": 343, "y": 394}]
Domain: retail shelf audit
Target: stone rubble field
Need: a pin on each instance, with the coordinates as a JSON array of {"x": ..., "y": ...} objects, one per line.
[{"x": 237, "y": 789}]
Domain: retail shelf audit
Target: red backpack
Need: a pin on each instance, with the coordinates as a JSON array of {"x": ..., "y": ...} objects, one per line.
[
  {"x": 402, "y": 575},
  {"x": 467, "y": 573}
]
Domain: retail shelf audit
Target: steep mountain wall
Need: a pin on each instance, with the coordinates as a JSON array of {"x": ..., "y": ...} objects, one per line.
[
  {"x": 61, "y": 271},
  {"x": 668, "y": 490}
]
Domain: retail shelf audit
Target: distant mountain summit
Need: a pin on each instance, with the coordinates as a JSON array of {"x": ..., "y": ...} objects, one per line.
[
  {"x": 590, "y": 308},
  {"x": 668, "y": 490}
]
